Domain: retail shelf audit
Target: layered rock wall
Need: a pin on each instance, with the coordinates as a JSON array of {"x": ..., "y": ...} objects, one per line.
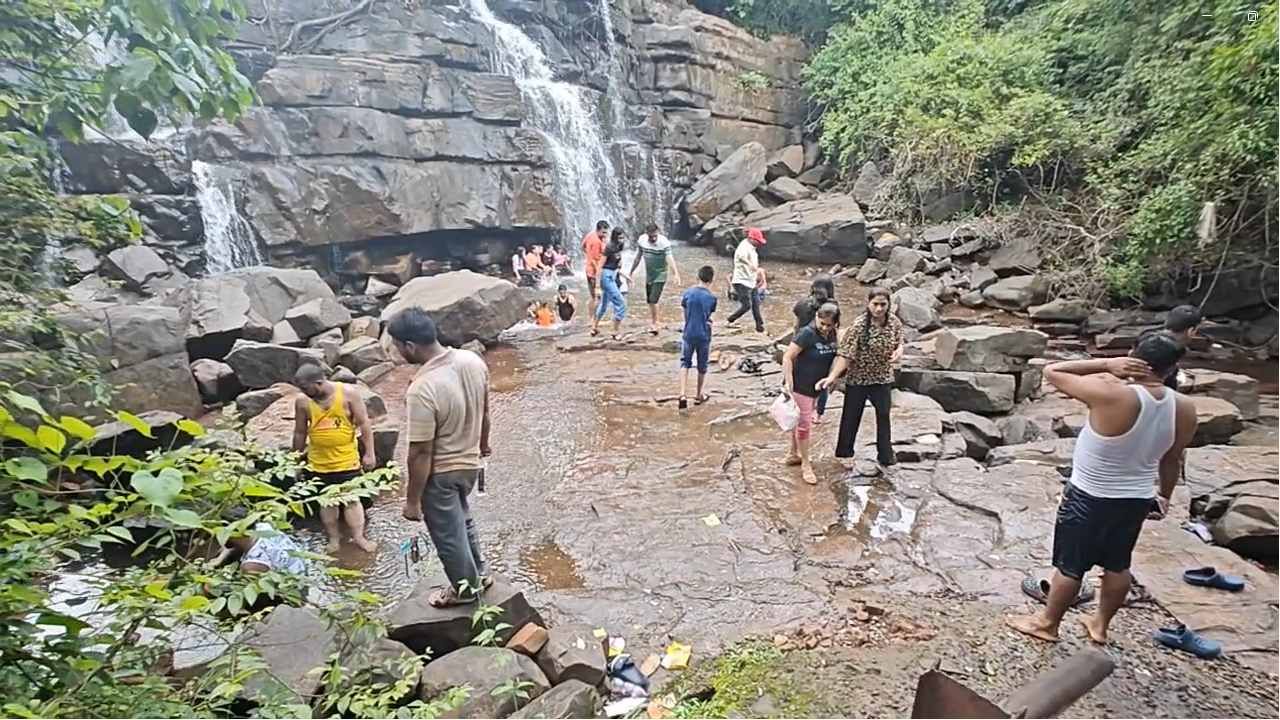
[{"x": 396, "y": 130}]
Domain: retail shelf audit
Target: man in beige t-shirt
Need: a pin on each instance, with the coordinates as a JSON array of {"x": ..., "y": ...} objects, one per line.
[{"x": 448, "y": 417}]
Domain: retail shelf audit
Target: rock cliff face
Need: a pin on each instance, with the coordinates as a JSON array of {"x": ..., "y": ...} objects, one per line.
[{"x": 406, "y": 127}]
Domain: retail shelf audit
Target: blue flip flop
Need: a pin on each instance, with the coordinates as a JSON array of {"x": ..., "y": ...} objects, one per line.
[
  {"x": 1209, "y": 577},
  {"x": 1187, "y": 640}
]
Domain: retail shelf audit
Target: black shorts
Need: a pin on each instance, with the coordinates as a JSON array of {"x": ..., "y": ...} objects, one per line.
[
  {"x": 653, "y": 292},
  {"x": 1096, "y": 531},
  {"x": 330, "y": 479}
]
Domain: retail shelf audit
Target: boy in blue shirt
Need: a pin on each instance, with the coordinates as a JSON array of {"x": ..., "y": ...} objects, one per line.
[{"x": 698, "y": 302}]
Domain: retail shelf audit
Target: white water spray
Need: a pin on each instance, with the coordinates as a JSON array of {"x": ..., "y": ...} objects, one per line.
[
  {"x": 586, "y": 181},
  {"x": 229, "y": 242}
]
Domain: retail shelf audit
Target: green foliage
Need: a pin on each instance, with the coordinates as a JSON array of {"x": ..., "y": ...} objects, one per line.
[
  {"x": 483, "y": 622},
  {"x": 1139, "y": 112},
  {"x": 64, "y": 66},
  {"x": 752, "y": 81},
  {"x": 62, "y": 505},
  {"x": 739, "y": 677},
  {"x": 512, "y": 691}
]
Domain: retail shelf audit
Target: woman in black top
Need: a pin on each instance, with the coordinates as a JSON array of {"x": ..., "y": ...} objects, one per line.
[
  {"x": 821, "y": 290},
  {"x": 610, "y": 293},
  {"x": 807, "y": 360}
]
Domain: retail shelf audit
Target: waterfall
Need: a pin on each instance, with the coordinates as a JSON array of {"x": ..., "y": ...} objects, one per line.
[
  {"x": 586, "y": 181},
  {"x": 615, "y": 68},
  {"x": 229, "y": 242}
]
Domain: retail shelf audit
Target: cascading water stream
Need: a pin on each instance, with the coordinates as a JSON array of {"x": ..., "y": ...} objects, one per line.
[
  {"x": 229, "y": 241},
  {"x": 586, "y": 181}
]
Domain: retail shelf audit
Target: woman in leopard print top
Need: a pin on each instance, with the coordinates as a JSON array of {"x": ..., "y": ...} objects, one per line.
[{"x": 868, "y": 352}]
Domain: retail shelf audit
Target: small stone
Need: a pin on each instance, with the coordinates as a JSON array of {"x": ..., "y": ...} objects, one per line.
[{"x": 528, "y": 640}]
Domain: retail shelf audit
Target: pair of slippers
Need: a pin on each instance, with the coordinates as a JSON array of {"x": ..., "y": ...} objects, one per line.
[
  {"x": 683, "y": 404},
  {"x": 1181, "y": 637}
]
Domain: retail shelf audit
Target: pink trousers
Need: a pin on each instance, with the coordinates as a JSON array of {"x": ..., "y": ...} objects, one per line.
[{"x": 807, "y": 406}]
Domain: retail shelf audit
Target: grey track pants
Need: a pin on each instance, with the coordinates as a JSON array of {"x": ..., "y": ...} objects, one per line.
[{"x": 453, "y": 532}]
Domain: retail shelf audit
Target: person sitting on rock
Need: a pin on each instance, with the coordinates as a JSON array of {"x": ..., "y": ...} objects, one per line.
[
  {"x": 533, "y": 263},
  {"x": 1123, "y": 471},
  {"x": 327, "y": 415},
  {"x": 562, "y": 261}
]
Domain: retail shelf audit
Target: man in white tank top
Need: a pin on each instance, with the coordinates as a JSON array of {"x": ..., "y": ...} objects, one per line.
[{"x": 1132, "y": 443}]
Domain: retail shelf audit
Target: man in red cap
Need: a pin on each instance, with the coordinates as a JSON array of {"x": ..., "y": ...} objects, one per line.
[{"x": 746, "y": 275}]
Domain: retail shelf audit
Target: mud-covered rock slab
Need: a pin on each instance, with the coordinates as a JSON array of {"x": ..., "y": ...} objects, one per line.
[
  {"x": 484, "y": 670},
  {"x": 414, "y": 622},
  {"x": 569, "y": 699},
  {"x": 572, "y": 652}
]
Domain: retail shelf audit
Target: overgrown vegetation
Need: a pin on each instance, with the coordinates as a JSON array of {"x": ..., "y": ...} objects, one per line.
[
  {"x": 66, "y": 66},
  {"x": 1111, "y": 124},
  {"x": 65, "y": 509},
  {"x": 735, "y": 680}
]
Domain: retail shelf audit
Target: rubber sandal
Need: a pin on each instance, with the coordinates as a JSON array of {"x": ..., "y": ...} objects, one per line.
[
  {"x": 445, "y": 598},
  {"x": 1187, "y": 640},
  {"x": 683, "y": 404},
  {"x": 594, "y": 332},
  {"x": 616, "y": 338},
  {"x": 701, "y": 399},
  {"x": 1209, "y": 577},
  {"x": 1038, "y": 589},
  {"x": 653, "y": 332}
]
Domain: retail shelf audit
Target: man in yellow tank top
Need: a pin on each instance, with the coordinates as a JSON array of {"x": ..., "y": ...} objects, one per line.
[{"x": 327, "y": 415}]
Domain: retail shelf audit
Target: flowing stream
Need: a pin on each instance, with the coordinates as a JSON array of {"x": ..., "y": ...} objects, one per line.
[
  {"x": 586, "y": 181},
  {"x": 229, "y": 241}
]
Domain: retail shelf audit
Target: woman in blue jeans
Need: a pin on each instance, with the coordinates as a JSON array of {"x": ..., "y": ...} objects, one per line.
[{"x": 610, "y": 293}]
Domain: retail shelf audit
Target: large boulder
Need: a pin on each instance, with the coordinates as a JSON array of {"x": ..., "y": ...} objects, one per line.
[
  {"x": 871, "y": 271},
  {"x": 328, "y": 342},
  {"x": 216, "y": 380},
  {"x": 161, "y": 383},
  {"x": 464, "y": 305},
  {"x": 253, "y": 403},
  {"x": 903, "y": 261},
  {"x": 572, "y": 652},
  {"x": 828, "y": 229},
  {"x": 1217, "y": 420},
  {"x": 788, "y": 189},
  {"x": 1056, "y": 453},
  {"x": 282, "y": 333},
  {"x": 142, "y": 270},
  {"x": 1239, "y": 390},
  {"x": 1017, "y": 257},
  {"x": 569, "y": 699},
  {"x": 361, "y": 353},
  {"x": 419, "y": 625},
  {"x": 1218, "y": 470},
  {"x": 988, "y": 348},
  {"x": 917, "y": 308},
  {"x": 246, "y": 304},
  {"x": 978, "y": 392},
  {"x": 868, "y": 186},
  {"x": 294, "y": 643},
  {"x": 786, "y": 162},
  {"x": 121, "y": 438},
  {"x": 738, "y": 175},
  {"x": 259, "y": 365},
  {"x": 119, "y": 165},
  {"x": 1249, "y": 527},
  {"x": 364, "y": 326},
  {"x": 1016, "y": 293},
  {"x": 1066, "y": 310},
  {"x": 882, "y": 248},
  {"x": 980, "y": 434},
  {"x": 316, "y": 316},
  {"x": 485, "y": 670},
  {"x": 981, "y": 278}
]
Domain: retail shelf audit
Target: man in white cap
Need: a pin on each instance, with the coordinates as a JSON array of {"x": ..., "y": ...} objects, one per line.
[{"x": 746, "y": 276}]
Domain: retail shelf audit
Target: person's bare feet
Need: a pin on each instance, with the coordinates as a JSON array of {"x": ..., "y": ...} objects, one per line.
[
  {"x": 365, "y": 544},
  {"x": 1097, "y": 634},
  {"x": 791, "y": 460},
  {"x": 1033, "y": 625},
  {"x": 806, "y": 472},
  {"x": 333, "y": 547}
]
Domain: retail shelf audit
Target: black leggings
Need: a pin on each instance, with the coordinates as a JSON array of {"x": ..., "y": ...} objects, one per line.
[
  {"x": 855, "y": 399},
  {"x": 748, "y": 299}
]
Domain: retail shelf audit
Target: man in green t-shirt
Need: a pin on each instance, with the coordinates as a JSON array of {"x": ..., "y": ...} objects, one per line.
[{"x": 655, "y": 250}]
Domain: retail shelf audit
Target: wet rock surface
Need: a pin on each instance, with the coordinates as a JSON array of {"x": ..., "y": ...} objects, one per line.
[{"x": 599, "y": 517}]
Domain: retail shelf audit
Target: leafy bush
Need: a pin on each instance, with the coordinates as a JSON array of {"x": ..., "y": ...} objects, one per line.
[
  {"x": 63, "y": 505},
  {"x": 1137, "y": 112}
]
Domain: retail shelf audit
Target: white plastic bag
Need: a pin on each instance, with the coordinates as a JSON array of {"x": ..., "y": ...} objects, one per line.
[{"x": 784, "y": 412}]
